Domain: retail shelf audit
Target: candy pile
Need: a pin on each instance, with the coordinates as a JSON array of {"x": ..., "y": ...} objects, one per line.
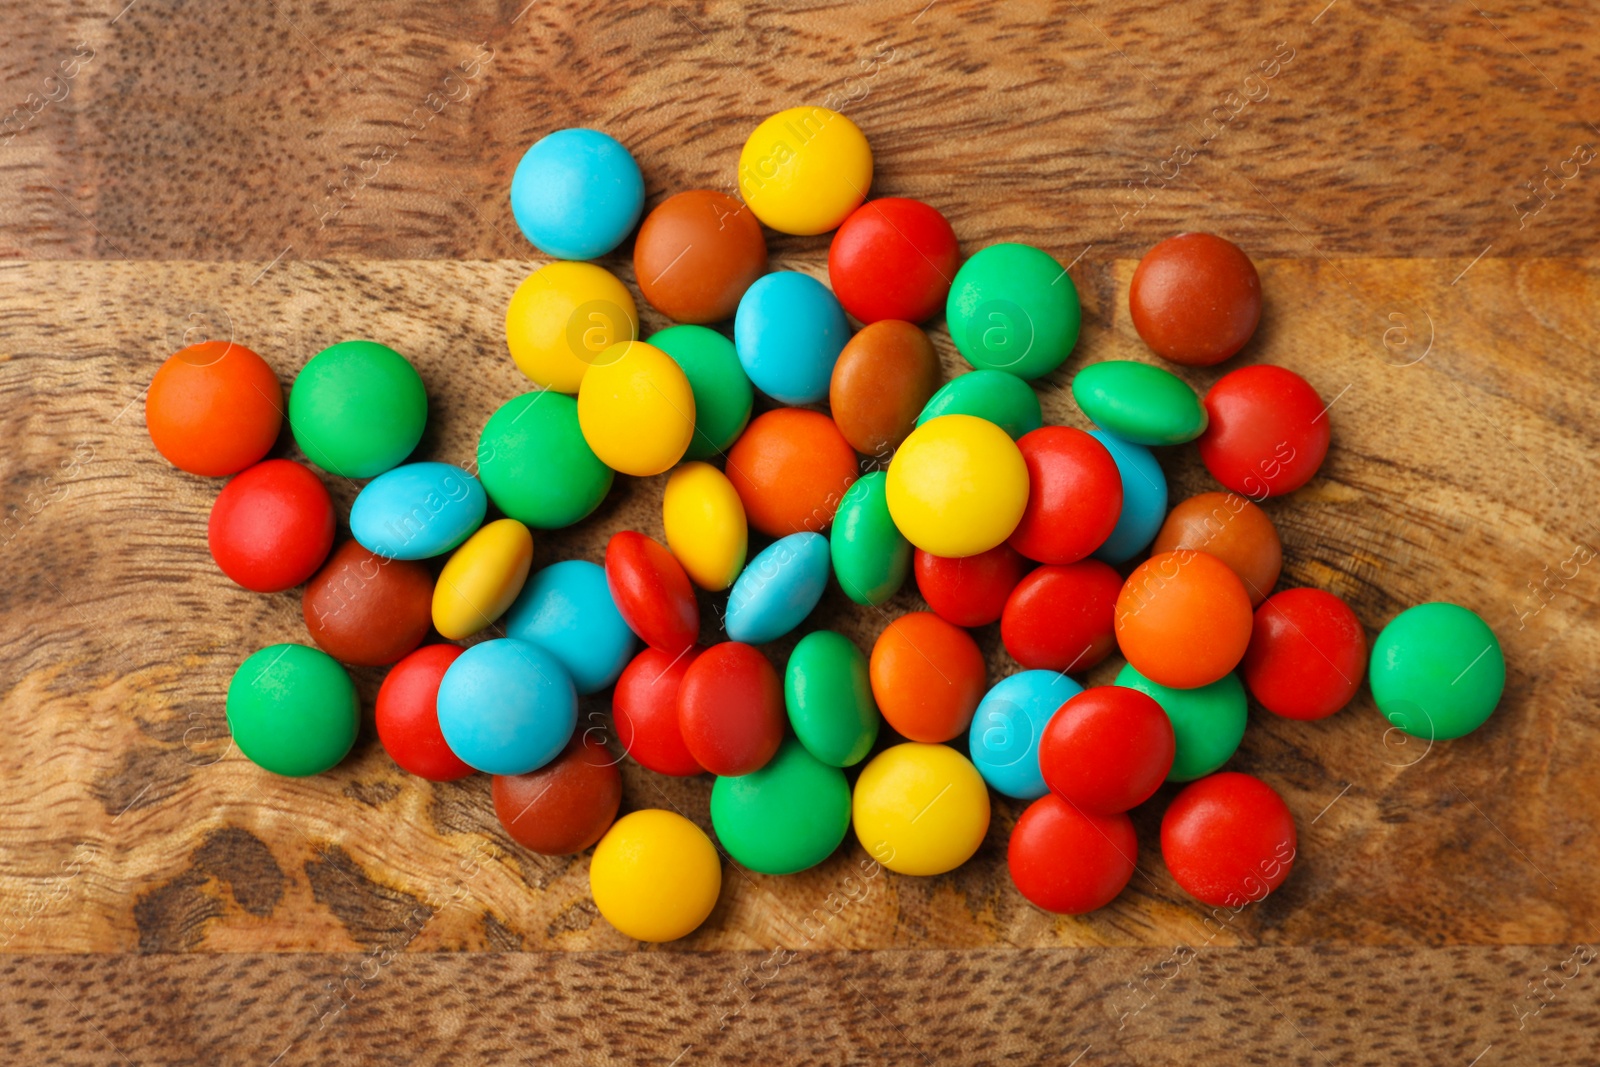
[{"x": 996, "y": 517}]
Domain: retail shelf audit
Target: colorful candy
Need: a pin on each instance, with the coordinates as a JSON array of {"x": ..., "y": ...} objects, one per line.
[
  {"x": 1004, "y": 399},
  {"x": 870, "y": 556},
  {"x": 927, "y": 677},
  {"x": 804, "y": 170},
  {"x": 1074, "y": 495},
  {"x": 789, "y": 332},
  {"x": 566, "y": 609},
  {"x": 357, "y": 409},
  {"x": 507, "y": 707},
  {"x": 1062, "y": 617},
  {"x": 785, "y": 817},
  {"x": 1195, "y": 299},
  {"x": 1012, "y": 307},
  {"x": 1307, "y": 654},
  {"x": 920, "y": 809},
  {"x": 1067, "y": 861},
  {"x": 1006, "y": 731},
  {"x": 791, "y": 468},
  {"x": 366, "y": 610},
  {"x": 1139, "y": 402},
  {"x": 884, "y": 376},
  {"x": 565, "y": 806},
  {"x": 972, "y": 590},
  {"x": 1144, "y": 499},
  {"x": 778, "y": 589},
  {"x": 1268, "y": 431},
  {"x": 1437, "y": 671},
  {"x": 482, "y": 578},
  {"x": 418, "y": 511},
  {"x": 705, "y": 525},
  {"x": 645, "y": 706},
  {"x": 893, "y": 259},
  {"x": 271, "y": 526},
  {"x": 652, "y": 592},
  {"x": 576, "y": 193},
  {"x": 214, "y": 408},
  {"x": 1207, "y": 723},
  {"x": 696, "y": 254},
  {"x": 1234, "y": 530},
  {"x": 535, "y": 464},
  {"x": 643, "y": 852},
  {"x": 636, "y": 409},
  {"x": 1183, "y": 619},
  {"x": 722, "y": 394},
  {"x": 1228, "y": 839},
  {"x": 292, "y": 710},
  {"x": 1107, "y": 750},
  {"x": 730, "y": 709},
  {"x": 407, "y": 715},
  {"x": 957, "y": 486},
  {"x": 828, "y": 694},
  {"x": 562, "y": 317}
]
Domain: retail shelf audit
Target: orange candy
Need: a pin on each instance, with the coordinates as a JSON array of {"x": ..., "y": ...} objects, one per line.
[
  {"x": 928, "y": 676},
  {"x": 214, "y": 408},
  {"x": 1183, "y": 619},
  {"x": 1234, "y": 530},
  {"x": 791, "y": 468}
]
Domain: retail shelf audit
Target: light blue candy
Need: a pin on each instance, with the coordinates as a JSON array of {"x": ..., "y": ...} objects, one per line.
[
  {"x": 1144, "y": 499},
  {"x": 418, "y": 510},
  {"x": 576, "y": 194},
  {"x": 507, "y": 707},
  {"x": 778, "y": 588},
  {"x": 566, "y": 609},
  {"x": 789, "y": 330},
  {"x": 1007, "y": 728}
]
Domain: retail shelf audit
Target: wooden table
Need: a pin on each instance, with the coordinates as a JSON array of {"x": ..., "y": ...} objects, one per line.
[{"x": 1416, "y": 182}]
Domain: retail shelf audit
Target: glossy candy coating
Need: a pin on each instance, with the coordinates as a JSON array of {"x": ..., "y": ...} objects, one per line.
[
  {"x": 566, "y": 609},
  {"x": 730, "y": 709},
  {"x": 565, "y": 806},
  {"x": 652, "y": 592},
  {"x": 1144, "y": 499},
  {"x": 828, "y": 694},
  {"x": 367, "y": 610},
  {"x": 804, "y": 170},
  {"x": 696, "y": 254},
  {"x": 870, "y": 556},
  {"x": 1074, "y": 495},
  {"x": 927, "y": 677},
  {"x": 562, "y": 317},
  {"x": 1139, "y": 402},
  {"x": 1012, "y": 307},
  {"x": 1183, "y": 619},
  {"x": 643, "y": 852},
  {"x": 957, "y": 486},
  {"x": 1207, "y": 723},
  {"x": 636, "y": 409},
  {"x": 884, "y": 376},
  {"x": 1010, "y": 722},
  {"x": 214, "y": 408},
  {"x": 705, "y": 525},
  {"x": 789, "y": 332},
  {"x": 791, "y": 468},
  {"x": 1062, "y": 617},
  {"x": 1437, "y": 671},
  {"x": 645, "y": 707},
  {"x": 507, "y": 707},
  {"x": 536, "y": 466},
  {"x": 1067, "y": 861},
  {"x": 920, "y": 809},
  {"x": 357, "y": 409},
  {"x": 722, "y": 394},
  {"x": 1307, "y": 654},
  {"x": 407, "y": 715},
  {"x": 1195, "y": 299},
  {"x": 785, "y": 817},
  {"x": 893, "y": 258},
  {"x": 271, "y": 526},
  {"x": 576, "y": 193},
  {"x": 482, "y": 578},
  {"x": 1004, "y": 399},
  {"x": 1268, "y": 432},
  {"x": 1228, "y": 839},
  {"x": 778, "y": 589},
  {"x": 292, "y": 710},
  {"x": 1233, "y": 529},
  {"x": 970, "y": 591},
  {"x": 1107, "y": 750},
  {"x": 418, "y": 510}
]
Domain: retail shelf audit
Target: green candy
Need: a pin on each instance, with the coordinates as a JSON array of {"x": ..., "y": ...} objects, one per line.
[
  {"x": 1207, "y": 723},
  {"x": 789, "y": 815},
  {"x": 1139, "y": 402},
  {"x": 871, "y": 557},
  {"x": 1013, "y": 308},
  {"x": 722, "y": 392},
  {"x": 293, "y": 710},
  {"x": 1437, "y": 671},
  {"x": 536, "y": 466},
  {"x": 358, "y": 409},
  {"x": 1003, "y": 399},
  {"x": 829, "y": 696}
]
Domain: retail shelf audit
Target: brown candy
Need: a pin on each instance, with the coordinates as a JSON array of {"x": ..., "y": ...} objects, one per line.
[
  {"x": 881, "y": 382},
  {"x": 1234, "y": 530},
  {"x": 696, "y": 254},
  {"x": 564, "y": 806},
  {"x": 366, "y": 610}
]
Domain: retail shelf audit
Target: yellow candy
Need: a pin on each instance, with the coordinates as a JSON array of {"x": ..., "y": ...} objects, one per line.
[
  {"x": 705, "y": 524},
  {"x": 920, "y": 809},
  {"x": 957, "y": 486},
  {"x": 655, "y": 876},
  {"x": 804, "y": 170},
  {"x": 636, "y": 410},
  {"x": 562, "y": 317},
  {"x": 482, "y": 578}
]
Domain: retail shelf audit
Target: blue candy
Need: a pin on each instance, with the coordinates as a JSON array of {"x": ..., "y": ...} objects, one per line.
[
  {"x": 566, "y": 609},
  {"x": 789, "y": 331},
  {"x": 507, "y": 707},
  {"x": 1144, "y": 499},
  {"x": 418, "y": 510},
  {"x": 778, "y": 589},
  {"x": 1008, "y": 726},
  {"x": 576, "y": 194}
]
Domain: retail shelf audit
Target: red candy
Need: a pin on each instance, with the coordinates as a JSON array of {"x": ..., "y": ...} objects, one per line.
[
  {"x": 1228, "y": 839},
  {"x": 1307, "y": 654},
  {"x": 893, "y": 259},
  {"x": 408, "y": 715},
  {"x": 1268, "y": 431},
  {"x": 1074, "y": 495},
  {"x": 1107, "y": 750},
  {"x": 730, "y": 709},
  {"x": 564, "y": 806},
  {"x": 645, "y": 706},
  {"x": 971, "y": 591},
  {"x": 1068, "y": 861},
  {"x": 271, "y": 526},
  {"x": 1062, "y": 618},
  {"x": 652, "y": 592}
]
